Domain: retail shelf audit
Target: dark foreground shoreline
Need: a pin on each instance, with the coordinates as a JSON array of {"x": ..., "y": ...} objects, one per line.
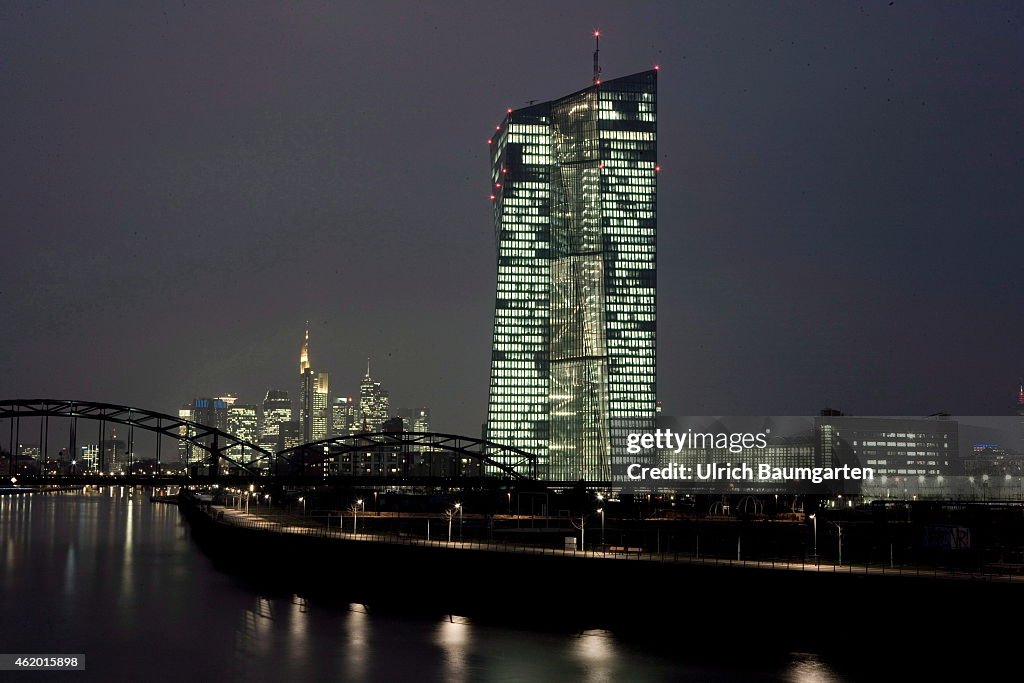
[{"x": 936, "y": 623}]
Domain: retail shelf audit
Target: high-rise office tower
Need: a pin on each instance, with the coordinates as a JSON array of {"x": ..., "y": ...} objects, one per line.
[
  {"x": 321, "y": 406},
  {"x": 345, "y": 416},
  {"x": 211, "y": 412},
  {"x": 421, "y": 420},
  {"x": 374, "y": 403},
  {"x": 574, "y": 207},
  {"x": 185, "y": 449},
  {"x": 414, "y": 419},
  {"x": 114, "y": 454},
  {"x": 290, "y": 434},
  {"x": 306, "y": 390},
  {"x": 277, "y": 409},
  {"x": 242, "y": 422}
]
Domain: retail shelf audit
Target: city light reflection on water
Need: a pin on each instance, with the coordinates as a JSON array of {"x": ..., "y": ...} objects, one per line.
[
  {"x": 808, "y": 668},
  {"x": 453, "y": 637},
  {"x": 117, "y": 578}
]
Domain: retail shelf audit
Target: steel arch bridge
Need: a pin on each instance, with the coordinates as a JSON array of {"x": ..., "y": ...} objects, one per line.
[
  {"x": 404, "y": 448},
  {"x": 210, "y": 439},
  {"x": 405, "y": 455}
]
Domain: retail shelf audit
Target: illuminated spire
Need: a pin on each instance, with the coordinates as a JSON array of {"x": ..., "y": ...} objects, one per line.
[
  {"x": 367, "y": 366},
  {"x": 304, "y": 354},
  {"x": 597, "y": 61}
]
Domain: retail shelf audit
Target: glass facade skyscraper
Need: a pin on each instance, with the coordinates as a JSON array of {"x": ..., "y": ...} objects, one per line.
[
  {"x": 277, "y": 410},
  {"x": 374, "y": 404},
  {"x": 574, "y": 189}
]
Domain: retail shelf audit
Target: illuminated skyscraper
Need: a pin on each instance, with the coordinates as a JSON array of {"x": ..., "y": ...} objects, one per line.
[
  {"x": 321, "y": 407},
  {"x": 212, "y": 412},
  {"x": 185, "y": 449},
  {"x": 374, "y": 403},
  {"x": 277, "y": 409},
  {"x": 574, "y": 208},
  {"x": 242, "y": 420},
  {"x": 345, "y": 416},
  {"x": 306, "y": 384}
]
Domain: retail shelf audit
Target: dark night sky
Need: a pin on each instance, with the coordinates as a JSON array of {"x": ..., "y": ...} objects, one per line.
[{"x": 840, "y": 205}]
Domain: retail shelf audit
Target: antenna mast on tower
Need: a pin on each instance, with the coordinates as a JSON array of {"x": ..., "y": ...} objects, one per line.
[{"x": 597, "y": 52}]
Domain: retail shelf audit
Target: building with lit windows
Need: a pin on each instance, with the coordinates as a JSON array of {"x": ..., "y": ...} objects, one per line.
[
  {"x": 374, "y": 404},
  {"x": 893, "y": 447},
  {"x": 242, "y": 422},
  {"x": 345, "y": 416},
  {"x": 277, "y": 409},
  {"x": 185, "y": 449},
  {"x": 314, "y": 397},
  {"x": 421, "y": 420},
  {"x": 321, "y": 406},
  {"x": 574, "y": 185},
  {"x": 306, "y": 390},
  {"x": 89, "y": 458},
  {"x": 210, "y": 412}
]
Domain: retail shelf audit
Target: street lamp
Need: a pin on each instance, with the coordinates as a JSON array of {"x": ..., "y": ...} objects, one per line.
[
  {"x": 840, "y": 528},
  {"x": 601, "y": 510},
  {"x": 355, "y": 514},
  {"x": 302, "y": 499},
  {"x": 814, "y": 518},
  {"x": 458, "y": 506}
]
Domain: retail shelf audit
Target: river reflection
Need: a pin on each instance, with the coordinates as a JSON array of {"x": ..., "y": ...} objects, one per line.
[{"x": 116, "y": 577}]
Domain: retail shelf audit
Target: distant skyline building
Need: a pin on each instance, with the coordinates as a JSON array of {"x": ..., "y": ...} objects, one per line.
[
  {"x": 277, "y": 409},
  {"x": 414, "y": 419},
  {"x": 184, "y": 447},
  {"x": 573, "y": 367},
  {"x": 306, "y": 390},
  {"x": 321, "y": 406},
  {"x": 89, "y": 458},
  {"x": 344, "y": 416},
  {"x": 290, "y": 434},
  {"x": 210, "y": 412},
  {"x": 895, "y": 448},
  {"x": 243, "y": 423},
  {"x": 1020, "y": 417},
  {"x": 421, "y": 420},
  {"x": 114, "y": 453},
  {"x": 374, "y": 403}
]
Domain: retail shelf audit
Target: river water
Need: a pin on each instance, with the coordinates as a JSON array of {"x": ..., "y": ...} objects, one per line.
[{"x": 117, "y": 578}]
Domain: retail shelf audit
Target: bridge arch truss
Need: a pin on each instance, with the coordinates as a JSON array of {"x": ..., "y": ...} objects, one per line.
[
  {"x": 213, "y": 441},
  {"x": 408, "y": 454}
]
